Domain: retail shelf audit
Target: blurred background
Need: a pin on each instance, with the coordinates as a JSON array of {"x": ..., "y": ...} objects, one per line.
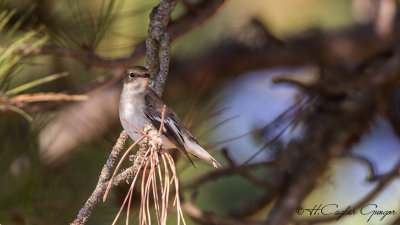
[{"x": 53, "y": 146}]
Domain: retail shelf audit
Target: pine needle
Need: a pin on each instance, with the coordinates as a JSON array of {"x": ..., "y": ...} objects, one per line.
[
  {"x": 156, "y": 167},
  {"x": 35, "y": 83},
  {"x": 17, "y": 110},
  {"x": 118, "y": 166}
]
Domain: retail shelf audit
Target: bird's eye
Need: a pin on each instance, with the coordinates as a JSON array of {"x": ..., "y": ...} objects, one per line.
[{"x": 132, "y": 75}]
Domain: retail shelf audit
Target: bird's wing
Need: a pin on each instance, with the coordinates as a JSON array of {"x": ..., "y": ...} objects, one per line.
[{"x": 172, "y": 130}]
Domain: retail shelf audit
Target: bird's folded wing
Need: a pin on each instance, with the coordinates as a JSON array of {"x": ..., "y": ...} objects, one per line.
[{"x": 171, "y": 128}]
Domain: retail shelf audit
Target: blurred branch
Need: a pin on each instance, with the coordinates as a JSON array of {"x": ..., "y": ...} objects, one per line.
[
  {"x": 184, "y": 24},
  {"x": 222, "y": 172},
  {"x": 343, "y": 104},
  {"x": 232, "y": 57},
  {"x": 209, "y": 218},
  {"x": 28, "y": 101},
  {"x": 396, "y": 221},
  {"x": 385, "y": 180},
  {"x": 251, "y": 208},
  {"x": 332, "y": 128},
  {"x": 364, "y": 160},
  {"x": 244, "y": 173},
  {"x": 90, "y": 59},
  {"x": 39, "y": 102},
  {"x": 40, "y": 97},
  {"x": 205, "y": 10}
]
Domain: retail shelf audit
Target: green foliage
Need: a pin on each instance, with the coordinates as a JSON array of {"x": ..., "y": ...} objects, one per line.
[
  {"x": 86, "y": 27},
  {"x": 35, "y": 193},
  {"x": 15, "y": 47},
  {"x": 35, "y": 83}
]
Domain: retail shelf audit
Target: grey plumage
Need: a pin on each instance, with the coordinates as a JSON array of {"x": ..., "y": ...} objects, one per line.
[
  {"x": 153, "y": 112},
  {"x": 140, "y": 105}
]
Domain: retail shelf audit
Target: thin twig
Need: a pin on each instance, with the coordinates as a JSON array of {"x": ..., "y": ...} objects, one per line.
[
  {"x": 46, "y": 97},
  {"x": 162, "y": 121},
  {"x": 95, "y": 197},
  {"x": 140, "y": 131},
  {"x": 119, "y": 165}
]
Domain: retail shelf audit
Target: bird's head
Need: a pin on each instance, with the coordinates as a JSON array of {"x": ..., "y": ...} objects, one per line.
[{"x": 136, "y": 77}]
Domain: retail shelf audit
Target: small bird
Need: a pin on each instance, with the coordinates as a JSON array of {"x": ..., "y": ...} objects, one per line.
[{"x": 140, "y": 105}]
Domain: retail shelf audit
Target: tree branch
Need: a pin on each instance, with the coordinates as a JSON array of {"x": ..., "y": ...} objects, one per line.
[
  {"x": 159, "y": 40},
  {"x": 98, "y": 192},
  {"x": 333, "y": 126},
  {"x": 382, "y": 184},
  {"x": 159, "y": 19},
  {"x": 184, "y": 24}
]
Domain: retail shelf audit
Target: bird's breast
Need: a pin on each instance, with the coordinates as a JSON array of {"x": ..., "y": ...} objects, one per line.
[{"x": 131, "y": 115}]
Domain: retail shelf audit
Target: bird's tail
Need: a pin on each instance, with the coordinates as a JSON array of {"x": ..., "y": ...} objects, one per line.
[{"x": 194, "y": 148}]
